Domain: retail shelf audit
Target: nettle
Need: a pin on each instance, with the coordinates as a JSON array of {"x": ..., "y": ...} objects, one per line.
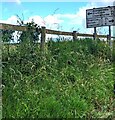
[
  {"x": 26, "y": 49},
  {"x": 28, "y": 45}
]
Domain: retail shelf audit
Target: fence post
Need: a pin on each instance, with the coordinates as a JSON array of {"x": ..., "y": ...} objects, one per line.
[
  {"x": 43, "y": 37},
  {"x": 74, "y": 35}
]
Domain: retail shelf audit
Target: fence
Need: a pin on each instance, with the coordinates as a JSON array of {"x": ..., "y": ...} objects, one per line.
[{"x": 45, "y": 31}]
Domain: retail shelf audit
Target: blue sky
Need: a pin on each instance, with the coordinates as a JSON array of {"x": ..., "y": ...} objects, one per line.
[
  {"x": 66, "y": 16},
  {"x": 39, "y": 8}
]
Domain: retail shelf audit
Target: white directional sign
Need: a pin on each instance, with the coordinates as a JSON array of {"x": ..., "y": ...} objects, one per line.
[{"x": 103, "y": 16}]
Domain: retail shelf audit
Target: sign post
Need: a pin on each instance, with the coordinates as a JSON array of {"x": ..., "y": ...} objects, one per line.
[
  {"x": 110, "y": 42},
  {"x": 98, "y": 17},
  {"x": 95, "y": 33}
]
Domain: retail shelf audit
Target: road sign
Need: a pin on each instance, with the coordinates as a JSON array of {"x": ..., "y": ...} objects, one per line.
[{"x": 103, "y": 16}]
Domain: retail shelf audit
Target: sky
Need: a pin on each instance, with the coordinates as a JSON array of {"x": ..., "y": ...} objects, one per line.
[{"x": 58, "y": 15}]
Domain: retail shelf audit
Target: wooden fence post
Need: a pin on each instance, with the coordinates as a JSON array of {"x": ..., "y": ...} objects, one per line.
[
  {"x": 74, "y": 35},
  {"x": 43, "y": 37}
]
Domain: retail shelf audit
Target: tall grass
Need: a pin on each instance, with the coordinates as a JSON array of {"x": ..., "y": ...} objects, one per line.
[{"x": 73, "y": 79}]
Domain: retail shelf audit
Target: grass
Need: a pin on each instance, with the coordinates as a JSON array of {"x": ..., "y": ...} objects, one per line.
[{"x": 72, "y": 79}]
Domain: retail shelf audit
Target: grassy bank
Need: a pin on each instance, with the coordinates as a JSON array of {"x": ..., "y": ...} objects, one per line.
[{"x": 72, "y": 79}]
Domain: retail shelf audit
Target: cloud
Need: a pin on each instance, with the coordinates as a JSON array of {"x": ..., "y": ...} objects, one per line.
[
  {"x": 37, "y": 19},
  {"x": 12, "y": 20},
  {"x": 18, "y": 1},
  {"x": 108, "y": 1},
  {"x": 52, "y": 19}
]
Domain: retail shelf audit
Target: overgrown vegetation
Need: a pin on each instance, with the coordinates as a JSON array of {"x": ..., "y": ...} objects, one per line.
[{"x": 72, "y": 79}]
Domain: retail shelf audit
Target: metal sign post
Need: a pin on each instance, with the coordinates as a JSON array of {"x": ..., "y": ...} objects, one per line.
[
  {"x": 109, "y": 36},
  {"x": 109, "y": 32},
  {"x": 98, "y": 17},
  {"x": 103, "y": 16},
  {"x": 110, "y": 42},
  {"x": 95, "y": 33}
]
